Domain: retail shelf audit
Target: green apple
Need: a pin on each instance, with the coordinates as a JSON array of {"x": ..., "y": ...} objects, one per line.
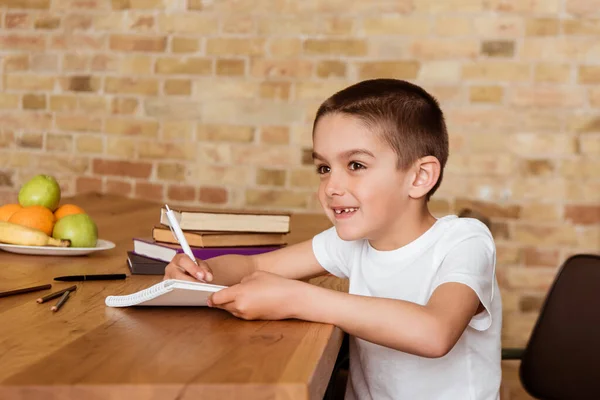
[
  {"x": 80, "y": 229},
  {"x": 41, "y": 190}
]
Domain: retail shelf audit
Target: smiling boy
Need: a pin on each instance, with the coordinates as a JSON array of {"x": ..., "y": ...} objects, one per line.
[{"x": 423, "y": 309}]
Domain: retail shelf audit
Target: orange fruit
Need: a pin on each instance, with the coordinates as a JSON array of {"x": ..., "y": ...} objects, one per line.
[
  {"x": 7, "y": 210},
  {"x": 67, "y": 209},
  {"x": 36, "y": 217}
]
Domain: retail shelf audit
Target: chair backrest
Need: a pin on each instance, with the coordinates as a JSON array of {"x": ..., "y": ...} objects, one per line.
[{"x": 562, "y": 357}]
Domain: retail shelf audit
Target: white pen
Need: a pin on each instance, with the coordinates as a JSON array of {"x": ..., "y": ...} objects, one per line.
[{"x": 178, "y": 233}]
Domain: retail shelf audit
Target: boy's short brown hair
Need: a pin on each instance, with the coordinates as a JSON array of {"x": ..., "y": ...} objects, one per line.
[{"x": 407, "y": 117}]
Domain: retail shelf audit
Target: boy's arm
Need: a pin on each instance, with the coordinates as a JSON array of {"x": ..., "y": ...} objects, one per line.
[
  {"x": 294, "y": 262},
  {"x": 428, "y": 331}
]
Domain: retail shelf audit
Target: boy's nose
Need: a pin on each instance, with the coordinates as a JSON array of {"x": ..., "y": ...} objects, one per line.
[{"x": 334, "y": 187}]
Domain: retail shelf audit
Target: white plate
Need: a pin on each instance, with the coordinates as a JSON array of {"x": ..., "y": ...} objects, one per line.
[{"x": 57, "y": 251}]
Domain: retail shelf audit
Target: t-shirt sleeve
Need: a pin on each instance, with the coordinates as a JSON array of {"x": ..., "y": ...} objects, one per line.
[
  {"x": 472, "y": 262},
  {"x": 332, "y": 252}
]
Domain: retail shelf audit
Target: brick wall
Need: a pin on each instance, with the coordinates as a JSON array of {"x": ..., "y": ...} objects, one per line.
[{"x": 211, "y": 101}]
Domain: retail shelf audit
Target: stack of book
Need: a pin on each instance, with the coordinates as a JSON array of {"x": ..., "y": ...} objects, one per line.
[{"x": 210, "y": 233}]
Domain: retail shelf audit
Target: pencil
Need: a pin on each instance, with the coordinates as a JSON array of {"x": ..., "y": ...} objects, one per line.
[
  {"x": 61, "y": 301},
  {"x": 25, "y": 290},
  {"x": 55, "y": 294}
]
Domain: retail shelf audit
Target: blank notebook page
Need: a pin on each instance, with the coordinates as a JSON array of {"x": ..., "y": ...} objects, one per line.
[{"x": 171, "y": 292}]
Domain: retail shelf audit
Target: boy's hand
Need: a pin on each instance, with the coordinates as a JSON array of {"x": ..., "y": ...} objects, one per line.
[
  {"x": 261, "y": 295},
  {"x": 182, "y": 267}
]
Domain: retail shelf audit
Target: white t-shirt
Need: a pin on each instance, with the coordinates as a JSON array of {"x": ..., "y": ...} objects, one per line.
[{"x": 452, "y": 250}]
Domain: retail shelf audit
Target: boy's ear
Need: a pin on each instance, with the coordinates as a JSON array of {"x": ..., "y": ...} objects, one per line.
[{"x": 427, "y": 172}]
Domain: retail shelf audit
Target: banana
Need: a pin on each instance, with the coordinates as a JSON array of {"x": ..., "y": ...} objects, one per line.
[{"x": 16, "y": 234}]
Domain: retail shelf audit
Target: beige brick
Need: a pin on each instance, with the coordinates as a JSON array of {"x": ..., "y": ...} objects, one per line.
[
  {"x": 138, "y": 43},
  {"x": 486, "y": 94},
  {"x": 131, "y": 127},
  {"x": 140, "y": 23},
  {"x": 23, "y": 42},
  {"x": 213, "y": 195},
  {"x": 264, "y": 154},
  {"x": 251, "y": 112},
  {"x": 281, "y": 68},
  {"x": 580, "y": 168},
  {"x": 192, "y": 23},
  {"x": 497, "y": 71},
  {"x": 225, "y": 133},
  {"x": 177, "y": 130},
  {"x": 504, "y": 26},
  {"x": 184, "y": 45},
  {"x": 172, "y": 108},
  {"x": 112, "y": 22},
  {"x": 82, "y": 83},
  {"x": 105, "y": 62},
  {"x": 18, "y": 20},
  {"x": 210, "y": 89},
  {"x": 444, "y": 48},
  {"x": 289, "y": 26},
  {"x": 178, "y": 87},
  {"x": 63, "y": 164},
  {"x": 396, "y": 25},
  {"x": 275, "y": 135},
  {"x": 331, "y": 68},
  {"x": 498, "y": 48},
  {"x": 143, "y": 86},
  {"x": 15, "y": 120},
  {"x": 31, "y": 140},
  {"x": 337, "y": 47},
  {"x": 44, "y": 62},
  {"x": 89, "y": 144},
  {"x": 453, "y": 26},
  {"x": 234, "y": 175},
  {"x": 552, "y": 73},
  {"x": 389, "y": 69},
  {"x": 78, "y": 122},
  {"x": 122, "y": 168},
  {"x": 137, "y": 4},
  {"x": 543, "y": 212},
  {"x": 26, "y": 4},
  {"x": 275, "y": 198},
  {"x": 433, "y": 6},
  {"x": 15, "y": 62},
  {"x": 235, "y": 46},
  {"x": 34, "y": 101},
  {"x": 270, "y": 177},
  {"x": 440, "y": 71},
  {"x": 47, "y": 22},
  {"x": 547, "y": 97},
  {"x": 588, "y": 74},
  {"x": 583, "y": 123},
  {"x": 75, "y": 21},
  {"x": 230, "y": 67},
  {"x": 78, "y": 41},
  {"x": 171, "y": 171},
  {"x": 558, "y": 49},
  {"x": 590, "y": 145},
  {"x": 532, "y": 144},
  {"x": 93, "y": 104},
  {"x": 343, "y": 26},
  {"x": 275, "y": 90},
  {"x": 537, "y": 167},
  {"x": 181, "y": 193},
  {"x": 135, "y": 65},
  {"x": 542, "y": 27},
  {"x": 240, "y": 24},
  {"x": 284, "y": 47},
  {"x": 531, "y": 189},
  {"x": 121, "y": 147},
  {"x": 525, "y": 7},
  {"x": 59, "y": 142},
  {"x": 28, "y": 82},
  {"x": 63, "y": 103},
  {"x": 488, "y": 142},
  {"x": 581, "y": 7},
  {"x": 124, "y": 105},
  {"x": 188, "y": 66},
  {"x": 165, "y": 150},
  {"x": 545, "y": 235},
  {"x": 581, "y": 26},
  {"x": 318, "y": 90},
  {"x": 76, "y": 62},
  {"x": 9, "y": 100},
  {"x": 304, "y": 178}
]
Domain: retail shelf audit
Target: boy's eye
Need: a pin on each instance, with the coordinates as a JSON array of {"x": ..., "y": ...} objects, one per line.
[
  {"x": 322, "y": 169},
  {"x": 353, "y": 165}
]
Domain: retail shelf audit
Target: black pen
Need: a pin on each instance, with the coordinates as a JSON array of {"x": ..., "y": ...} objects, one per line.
[{"x": 104, "y": 277}]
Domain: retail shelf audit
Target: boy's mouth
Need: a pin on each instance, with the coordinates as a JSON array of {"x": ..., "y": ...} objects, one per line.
[{"x": 344, "y": 211}]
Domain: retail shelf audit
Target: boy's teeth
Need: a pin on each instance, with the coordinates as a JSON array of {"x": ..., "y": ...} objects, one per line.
[{"x": 339, "y": 211}]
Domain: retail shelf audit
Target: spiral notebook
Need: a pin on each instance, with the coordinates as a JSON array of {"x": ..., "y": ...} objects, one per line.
[{"x": 171, "y": 292}]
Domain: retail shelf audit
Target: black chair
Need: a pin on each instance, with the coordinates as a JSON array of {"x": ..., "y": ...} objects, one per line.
[{"x": 562, "y": 357}]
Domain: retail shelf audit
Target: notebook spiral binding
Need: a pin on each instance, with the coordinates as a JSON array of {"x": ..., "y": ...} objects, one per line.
[{"x": 139, "y": 297}]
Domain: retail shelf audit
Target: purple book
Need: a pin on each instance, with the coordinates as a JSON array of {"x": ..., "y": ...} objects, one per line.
[{"x": 166, "y": 251}]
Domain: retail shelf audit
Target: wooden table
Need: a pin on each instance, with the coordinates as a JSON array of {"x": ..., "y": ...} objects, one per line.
[{"x": 87, "y": 350}]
